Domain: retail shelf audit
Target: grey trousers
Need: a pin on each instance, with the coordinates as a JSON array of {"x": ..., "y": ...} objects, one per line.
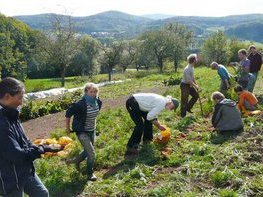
[{"x": 87, "y": 141}]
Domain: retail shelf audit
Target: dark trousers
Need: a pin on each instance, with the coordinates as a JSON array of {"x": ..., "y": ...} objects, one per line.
[
  {"x": 142, "y": 125},
  {"x": 33, "y": 188},
  {"x": 186, "y": 90}
]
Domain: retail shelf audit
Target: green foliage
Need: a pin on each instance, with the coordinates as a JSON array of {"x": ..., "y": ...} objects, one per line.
[
  {"x": 34, "y": 109},
  {"x": 16, "y": 42},
  {"x": 221, "y": 179},
  {"x": 227, "y": 193},
  {"x": 216, "y": 48}
]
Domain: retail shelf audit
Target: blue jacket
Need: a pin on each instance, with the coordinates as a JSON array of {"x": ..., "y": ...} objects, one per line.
[
  {"x": 223, "y": 73},
  {"x": 17, "y": 153},
  {"x": 79, "y": 112}
]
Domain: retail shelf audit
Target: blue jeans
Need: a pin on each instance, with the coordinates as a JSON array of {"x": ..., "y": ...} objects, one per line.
[
  {"x": 87, "y": 141},
  {"x": 33, "y": 188}
]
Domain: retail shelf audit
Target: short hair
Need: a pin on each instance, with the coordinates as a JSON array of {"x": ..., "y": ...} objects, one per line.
[
  {"x": 191, "y": 58},
  {"x": 10, "y": 86},
  {"x": 238, "y": 89},
  {"x": 213, "y": 63},
  {"x": 217, "y": 96},
  {"x": 243, "y": 51},
  {"x": 90, "y": 86},
  {"x": 252, "y": 47}
]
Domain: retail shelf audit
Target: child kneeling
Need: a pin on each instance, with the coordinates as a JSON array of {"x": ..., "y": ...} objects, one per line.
[
  {"x": 85, "y": 113},
  {"x": 226, "y": 116}
]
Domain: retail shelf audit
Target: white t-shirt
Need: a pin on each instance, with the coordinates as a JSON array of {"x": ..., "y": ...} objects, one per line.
[
  {"x": 151, "y": 103},
  {"x": 188, "y": 74}
]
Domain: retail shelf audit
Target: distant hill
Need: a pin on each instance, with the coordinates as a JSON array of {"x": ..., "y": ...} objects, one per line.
[
  {"x": 122, "y": 25},
  {"x": 249, "y": 31},
  {"x": 157, "y": 16},
  {"x": 112, "y": 22}
]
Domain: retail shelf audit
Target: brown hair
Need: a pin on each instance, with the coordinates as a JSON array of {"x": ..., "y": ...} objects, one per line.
[
  {"x": 217, "y": 96},
  {"x": 243, "y": 51}
]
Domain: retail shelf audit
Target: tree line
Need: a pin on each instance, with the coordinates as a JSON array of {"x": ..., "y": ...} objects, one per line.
[{"x": 60, "y": 52}]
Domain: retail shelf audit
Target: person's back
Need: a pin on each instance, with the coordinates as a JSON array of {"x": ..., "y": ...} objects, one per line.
[
  {"x": 223, "y": 72},
  {"x": 247, "y": 100},
  {"x": 227, "y": 117}
]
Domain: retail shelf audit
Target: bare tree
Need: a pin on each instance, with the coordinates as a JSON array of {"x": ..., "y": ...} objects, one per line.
[
  {"x": 60, "y": 44},
  {"x": 111, "y": 56}
]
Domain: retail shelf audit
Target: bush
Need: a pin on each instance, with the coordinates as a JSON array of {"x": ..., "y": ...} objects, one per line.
[{"x": 34, "y": 109}]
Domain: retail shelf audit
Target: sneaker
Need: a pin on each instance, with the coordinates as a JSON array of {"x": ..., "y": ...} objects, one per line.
[{"x": 92, "y": 177}]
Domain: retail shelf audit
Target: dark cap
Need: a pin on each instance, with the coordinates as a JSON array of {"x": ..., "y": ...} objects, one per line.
[{"x": 175, "y": 102}]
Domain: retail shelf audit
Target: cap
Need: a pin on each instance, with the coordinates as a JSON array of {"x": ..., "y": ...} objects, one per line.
[{"x": 175, "y": 102}]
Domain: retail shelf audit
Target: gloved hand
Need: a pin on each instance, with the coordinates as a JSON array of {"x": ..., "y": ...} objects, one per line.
[{"x": 52, "y": 149}]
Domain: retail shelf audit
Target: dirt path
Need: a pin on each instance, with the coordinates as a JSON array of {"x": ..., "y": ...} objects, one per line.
[{"x": 41, "y": 127}]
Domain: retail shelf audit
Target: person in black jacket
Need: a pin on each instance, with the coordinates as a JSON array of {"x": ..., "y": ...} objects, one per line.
[
  {"x": 255, "y": 62},
  {"x": 84, "y": 114},
  {"x": 17, "y": 153}
]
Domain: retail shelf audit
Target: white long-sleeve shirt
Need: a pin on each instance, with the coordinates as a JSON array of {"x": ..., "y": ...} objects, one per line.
[{"x": 151, "y": 103}]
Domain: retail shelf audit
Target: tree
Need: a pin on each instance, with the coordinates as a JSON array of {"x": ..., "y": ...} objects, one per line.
[
  {"x": 180, "y": 39},
  {"x": 157, "y": 43},
  {"x": 111, "y": 56},
  {"x": 234, "y": 47},
  {"x": 216, "y": 48},
  {"x": 130, "y": 50},
  {"x": 16, "y": 44},
  {"x": 60, "y": 44},
  {"x": 85, "y": 57},
  {"x": 143, "y": 58}
]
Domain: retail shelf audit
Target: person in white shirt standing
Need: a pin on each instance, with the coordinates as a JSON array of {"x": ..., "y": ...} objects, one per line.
[
  {"x": 144, "y": 109},
  {"x": 189, "y": 86}
]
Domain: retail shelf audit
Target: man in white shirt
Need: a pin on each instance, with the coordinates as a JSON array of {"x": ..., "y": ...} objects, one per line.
[
  {"x": 144, "y": 109},
  {"x": 188, "y": 86}
]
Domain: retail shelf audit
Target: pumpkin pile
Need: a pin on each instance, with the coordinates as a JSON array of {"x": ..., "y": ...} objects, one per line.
[
  {"x": 66, "y": 143},
  {"x": 164, "y": 136}
]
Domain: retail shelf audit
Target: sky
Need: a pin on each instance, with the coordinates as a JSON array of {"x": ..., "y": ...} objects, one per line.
[{"x": 136, "y": 7}]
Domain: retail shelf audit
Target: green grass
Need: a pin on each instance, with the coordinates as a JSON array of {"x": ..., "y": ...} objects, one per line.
[
  {"x": 34, "y": 85},
  {"x": 202, "y": 164}
]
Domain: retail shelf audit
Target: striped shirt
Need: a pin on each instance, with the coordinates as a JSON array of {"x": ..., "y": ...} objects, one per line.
[{"x": 92, "y": 113}]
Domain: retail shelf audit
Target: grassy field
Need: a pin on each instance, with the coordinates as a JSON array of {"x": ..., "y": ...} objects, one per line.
[
  {"x": 202, "y": 163},
  {"x": 34, "y": 85}
]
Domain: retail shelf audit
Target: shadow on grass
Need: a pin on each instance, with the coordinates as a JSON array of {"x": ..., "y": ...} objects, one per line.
[
  {"x": 221, "y": 137},
  {"x": 148, "y": 155}
]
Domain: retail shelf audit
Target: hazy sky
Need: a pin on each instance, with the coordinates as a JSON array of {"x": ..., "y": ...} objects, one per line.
[{"x": 137, "y": 7}]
